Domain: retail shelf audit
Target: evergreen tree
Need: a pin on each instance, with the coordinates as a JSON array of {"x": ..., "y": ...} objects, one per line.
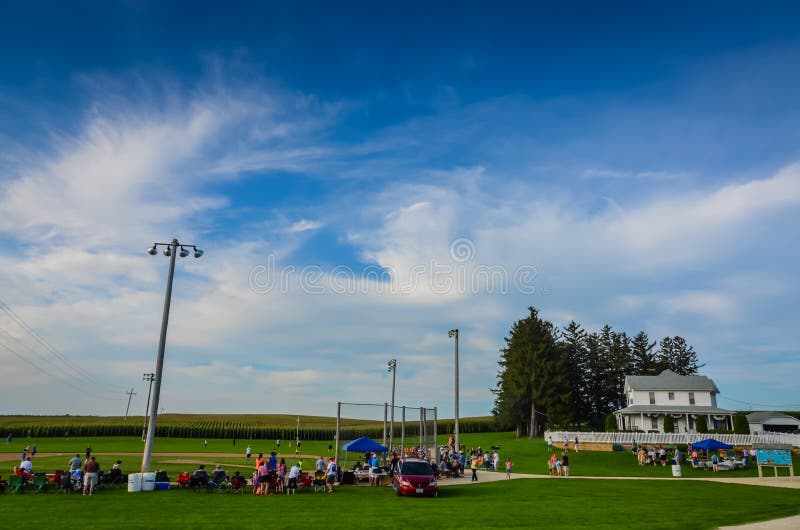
[
  {"x": 531, "y": 383},
  {"x": 614, "y": 364},
  {"x": 573, "y": 345},
  {"x": 574, "y": 375},
  {"x": 685, "y": 358},
  {"x": 701, "y": 424},
  {"x": 594, "y": 382},
  {"x": 645, "y": 360},
  {"x": 665, "y": 354},
  {"x": 676, "y": 355},
  {"x": 740, "y": 424}
]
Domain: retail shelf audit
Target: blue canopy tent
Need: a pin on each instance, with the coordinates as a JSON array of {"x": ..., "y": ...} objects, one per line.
[
  {"x": 364, "y": 444},
  {"x": 710, "y": 444}
]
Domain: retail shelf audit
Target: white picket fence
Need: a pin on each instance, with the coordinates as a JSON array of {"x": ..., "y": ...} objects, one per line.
[{"x": 628, "y": 438}]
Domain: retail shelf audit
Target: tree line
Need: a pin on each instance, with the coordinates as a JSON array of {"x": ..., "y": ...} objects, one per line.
[{"x": 574, "y": 377}]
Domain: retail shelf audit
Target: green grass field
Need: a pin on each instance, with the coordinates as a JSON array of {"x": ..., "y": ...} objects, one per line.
[
  {"x": 546, "y": 503},
  {"x": 527, "y": 503}
]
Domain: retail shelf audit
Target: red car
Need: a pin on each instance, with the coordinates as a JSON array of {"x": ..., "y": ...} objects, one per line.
[{"x": 415, "y": 477}]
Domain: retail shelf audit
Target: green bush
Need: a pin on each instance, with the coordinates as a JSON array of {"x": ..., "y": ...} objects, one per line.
[
  {"x": 740, "y": 425},
  {"x": 669, "y": 425},
  {"x": 701, "y": 424},
  {"x": 611, "y": 423}
]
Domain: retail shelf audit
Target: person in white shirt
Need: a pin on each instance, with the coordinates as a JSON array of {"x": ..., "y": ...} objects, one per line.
[
  {"x": 320, "y": 464},
  {"x": 26, "y": 467},
  {"x": 294, "y": 472},
  {"x": 496, "y": 463},
  {"x": 331, "y": 472}
]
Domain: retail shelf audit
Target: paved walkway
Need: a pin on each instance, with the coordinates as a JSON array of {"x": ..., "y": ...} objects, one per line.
[{"x": 787, "y": 523}]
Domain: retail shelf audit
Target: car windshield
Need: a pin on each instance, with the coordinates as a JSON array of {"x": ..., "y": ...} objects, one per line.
[{"x": 416, "y": 468}]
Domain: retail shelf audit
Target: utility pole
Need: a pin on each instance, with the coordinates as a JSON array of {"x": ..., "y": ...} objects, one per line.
[
  {"x": 147, "y": 378},
  {"x": 130, "y": 395},
  {"x": 453, "y": 333}
]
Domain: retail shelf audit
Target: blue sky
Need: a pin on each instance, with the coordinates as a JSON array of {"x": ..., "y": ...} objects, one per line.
[{"x": 623, "y": 164}]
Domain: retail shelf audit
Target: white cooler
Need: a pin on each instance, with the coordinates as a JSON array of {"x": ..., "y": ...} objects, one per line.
[
  {"x": 148, "y": 481},
  {"x": 134, "y": 482}
]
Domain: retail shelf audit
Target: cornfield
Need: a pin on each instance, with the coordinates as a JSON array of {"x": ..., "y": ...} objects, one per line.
[{"x": 246, "y": 426}]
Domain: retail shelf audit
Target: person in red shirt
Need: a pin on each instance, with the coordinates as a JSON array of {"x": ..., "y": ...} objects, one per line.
[{"x": 90, "y": 478}]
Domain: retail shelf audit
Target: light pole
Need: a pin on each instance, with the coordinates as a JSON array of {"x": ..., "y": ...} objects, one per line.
[
  {"x": 147, "y": 377},
  {"x": 393, "y": 369},
  {"x": 171, "y": 251},
  {"x": 453, "y": 333}
]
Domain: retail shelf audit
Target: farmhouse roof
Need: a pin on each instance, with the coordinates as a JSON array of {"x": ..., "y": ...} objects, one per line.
[
  {"x": 673, "y": 409},
  {"x": 762, "y": 416},
  {"x": 669, "y": 380}
]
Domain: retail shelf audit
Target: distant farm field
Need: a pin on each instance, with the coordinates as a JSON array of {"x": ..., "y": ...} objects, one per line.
[{"x": 241, "y": 426}]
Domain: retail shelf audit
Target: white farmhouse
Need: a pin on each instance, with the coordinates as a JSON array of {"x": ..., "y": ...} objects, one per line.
[{"x": 685, "y": 397}]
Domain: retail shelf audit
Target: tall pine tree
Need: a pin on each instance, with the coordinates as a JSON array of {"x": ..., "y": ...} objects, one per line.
[
  {"x": 645, "y": 360},
  {"x": 532, "y": 382},
  {"x": 573, "y": 344}
]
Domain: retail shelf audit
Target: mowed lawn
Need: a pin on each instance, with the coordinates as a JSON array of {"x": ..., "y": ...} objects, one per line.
[
  {"x": 545, "y": 503},
  {"x": 523, "y": 503},
  {"x": 528, "y": 456}
]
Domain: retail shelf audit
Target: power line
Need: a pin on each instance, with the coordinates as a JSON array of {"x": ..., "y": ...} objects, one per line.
[
  {"x": 783, "y": 406},
  {"x": 39, "y": 368},
  {"x": 83, "y": 374},
  {"x": 51, "y": 365},
  {"x": 57, "y": 376}
]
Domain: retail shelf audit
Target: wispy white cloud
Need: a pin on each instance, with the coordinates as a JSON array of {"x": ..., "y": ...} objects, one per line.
[
  {"x": 306, "y": 225},
  {"x": 598, "y": 173}
]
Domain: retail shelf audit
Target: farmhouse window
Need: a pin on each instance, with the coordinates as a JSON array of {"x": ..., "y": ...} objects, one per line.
[
  {"x": 672, "y": 396},
  {"x": 654, "y": 423},
  {"x": 691, "y": 398},
  {"x": 652, "y": 398}
]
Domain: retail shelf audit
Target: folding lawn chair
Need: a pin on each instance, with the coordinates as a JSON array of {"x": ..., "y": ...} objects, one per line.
[
  {"x": 65, "y": 483},
  {"x": 237, "y": 484},
  {"x": 319, "y": 482},
  {"x": 39, "y": 484},
  {"x": 183, "y": 479},
  {"x": 14, "y": 484}
]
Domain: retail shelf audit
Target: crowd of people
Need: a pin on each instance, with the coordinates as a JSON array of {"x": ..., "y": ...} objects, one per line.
[
  {"x": 559, "y": 467},
  {"x": 83, "y": 474},
  {"x": 269, "y": 473},
  {"x": 658, "y": 455}
]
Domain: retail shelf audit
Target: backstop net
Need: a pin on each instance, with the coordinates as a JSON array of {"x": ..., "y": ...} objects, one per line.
[{"x": 408, "y": 431}]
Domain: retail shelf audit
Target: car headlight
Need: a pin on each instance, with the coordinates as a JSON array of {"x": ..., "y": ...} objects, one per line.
[
  {"x": 433, "y": 483},
  {"x": 405, "y": 483}
]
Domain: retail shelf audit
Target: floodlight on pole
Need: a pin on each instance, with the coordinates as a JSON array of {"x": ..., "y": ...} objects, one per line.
[
  {"x": 393, "y": 370},
  {"x": 453, "y": 333},
  {"x": 171, "y": 251}
]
